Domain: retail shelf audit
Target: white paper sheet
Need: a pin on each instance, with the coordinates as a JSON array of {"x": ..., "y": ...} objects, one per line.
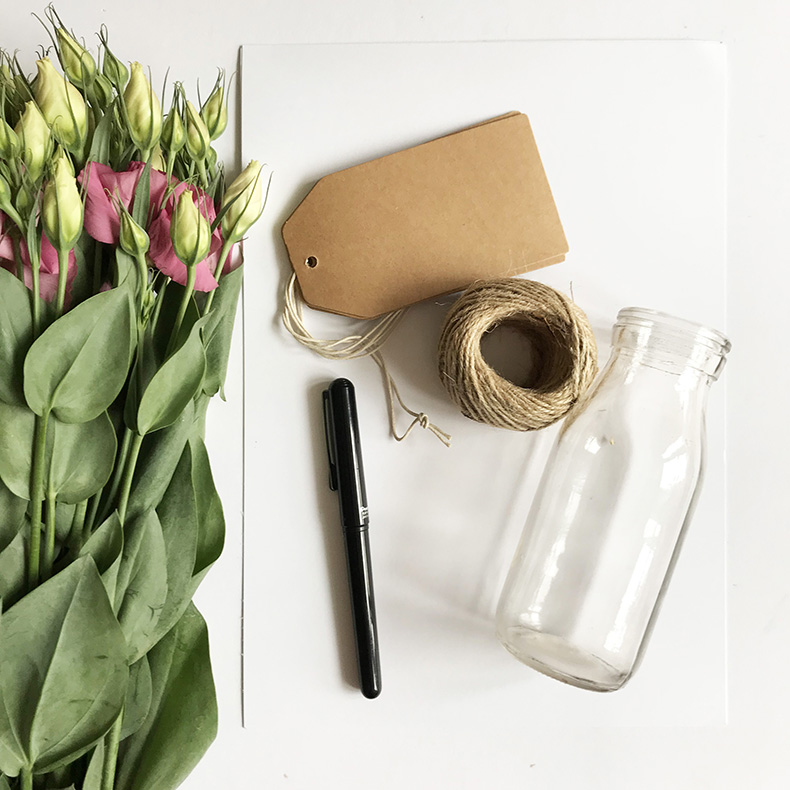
[{"x": 632, "y": 136}]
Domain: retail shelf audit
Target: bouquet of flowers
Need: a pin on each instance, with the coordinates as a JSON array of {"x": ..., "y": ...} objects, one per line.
[{"x": 118, "y": 291}]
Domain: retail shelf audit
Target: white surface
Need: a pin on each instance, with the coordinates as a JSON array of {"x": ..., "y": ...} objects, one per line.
[
  {"x": 192, "y": 36},
  {"x": 632, "y": 139}
]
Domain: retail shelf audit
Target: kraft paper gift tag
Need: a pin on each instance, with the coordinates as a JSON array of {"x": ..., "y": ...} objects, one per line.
[{"x": 426, "y": 221}]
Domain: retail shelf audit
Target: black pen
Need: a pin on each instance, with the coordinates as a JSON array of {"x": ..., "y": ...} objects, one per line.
[{"x": 347, "y": 478}]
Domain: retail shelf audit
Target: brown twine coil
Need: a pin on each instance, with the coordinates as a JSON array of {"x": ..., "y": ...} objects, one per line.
[{"x": 563, "y": 342}]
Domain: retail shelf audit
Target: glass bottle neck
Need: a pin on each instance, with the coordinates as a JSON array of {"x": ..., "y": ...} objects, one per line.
[{"x": 660, "y": 341}]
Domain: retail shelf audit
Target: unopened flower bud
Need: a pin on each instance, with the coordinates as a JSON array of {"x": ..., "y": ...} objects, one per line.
[
  {"x": 198, "y": 138},
  {"x": 114, "y": 71},
  {"x": 61, "y": 207},
  {"x": 7, "y": 204},
  {"x": 157, "y": 159},
  {"x": 143, "y": 110},
  {"x": 102, "y": 90},
  {"x": 133, "y": 239},
  {"x": 215, "y": 113},
  {"x": 244, "y": 199},
  {"x": 174, "y": 136},
  {"x": 34, "y": 134},
  {"x": 62, "y": 106},
  {"x": 190, "y": 231},
  {"x": 77, "y": 62},
  {"x": 9, "y": 142}
]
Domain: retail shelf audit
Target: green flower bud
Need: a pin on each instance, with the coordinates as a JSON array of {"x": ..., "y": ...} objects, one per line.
[
  {"x": 174, "y": 136},
  {"x": 102, "y": 90},
  {"x": 114, "y": 71},
  {"x": 62, "y": 106},
  {"x": 211, "y": 159},
  {"x": 133, "y": 239},
  {"x": 36, "y": 139},
  {"x": 244, "y": 199},
  {"x": 215, "y": 113},
  {"x": 190, "y": 231},
  {"x": 7, "y": 203},
  {"x": 143, "y": 111},
  {"x": 198, "y": 138},
  {"x": 61, "y": 207},
  {"x": 9, "y": 142},
  {"x": 77, "y": 62}
]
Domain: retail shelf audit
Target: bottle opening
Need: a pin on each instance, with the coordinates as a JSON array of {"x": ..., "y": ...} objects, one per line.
[{"x": 671, "y": 342}]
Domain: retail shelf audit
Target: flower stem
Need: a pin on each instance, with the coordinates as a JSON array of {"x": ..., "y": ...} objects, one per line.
[
  {"x": 120, "y": 465},
  {"x": 223, "y": 256},
  {"x": 97, "y": 267},
  {"x": 76, "y": 536},
  {"x": 128, "y": 476},
  {"x": 20, "y": 267},
  {"x": 90, "y": 519},
  {"x": 63, "y": 271},
  {"x": 35, "y": 295},
  {"x": 27, "y": 779},
  {"x": 48, "y": 557},
  {"x": 182, "y": 310},
  {"x": 111, "y": 742},
  {"x": 37, "y": 491}
]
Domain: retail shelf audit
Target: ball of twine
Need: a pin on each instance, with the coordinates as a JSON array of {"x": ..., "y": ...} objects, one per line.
[{"x": 562, "y": 338}]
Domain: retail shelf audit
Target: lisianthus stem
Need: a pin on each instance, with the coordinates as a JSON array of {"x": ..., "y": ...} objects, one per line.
[
  {"x": 128, "y": 476},
  {"x": 97, "y": 267},
  {"x": 111, "y": 742},
  {"x": 223, "y": 256},
  {"x": 120, "y": 466},
  {"x": 182, "y": 310},
  {"x": 27, "y": 779},
  {"x": 76, "y": 537},
  {"x": 36, "y": 297},
  {"x": 63, "y": 271},
  {"x": 48, "y": 556},
  {"x": 20, "y": 267},
  {"x": 37, "y": 496},
  {"x": 90, "y": 519}
]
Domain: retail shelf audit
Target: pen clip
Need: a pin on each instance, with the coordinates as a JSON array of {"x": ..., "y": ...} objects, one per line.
[{"x": 329, "y": 434}]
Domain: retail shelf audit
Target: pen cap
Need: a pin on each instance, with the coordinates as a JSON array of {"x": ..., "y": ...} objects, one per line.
[{"x": 345, "y": 452}]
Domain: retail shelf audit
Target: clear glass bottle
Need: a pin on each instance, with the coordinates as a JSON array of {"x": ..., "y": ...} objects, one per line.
[{"x": 606, "y": 524}]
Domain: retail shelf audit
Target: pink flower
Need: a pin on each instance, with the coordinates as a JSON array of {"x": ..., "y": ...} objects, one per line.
[
  {"x": 162, "y": 254},
  {"x": 102, "y": 185},
  {"x": 47, "y": 273}
]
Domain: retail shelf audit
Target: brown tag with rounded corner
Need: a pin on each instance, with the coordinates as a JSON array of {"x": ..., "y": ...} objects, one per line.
[{"x": 430, "y": 220}]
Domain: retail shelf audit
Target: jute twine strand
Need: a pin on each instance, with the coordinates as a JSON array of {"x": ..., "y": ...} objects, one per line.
[
  {"x": 562, "y": 338},
  {"x": 353, "y": 347}
]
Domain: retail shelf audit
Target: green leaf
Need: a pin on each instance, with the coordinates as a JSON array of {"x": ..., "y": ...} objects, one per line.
[
  {"x": 79, "y": 364},
  {"x": 82, "y": 285},
  {"x": 17, "y": 426},
  {"x": 159, "y": 456},
  {"x": 179, "y": 519},
  {"x": 142, "y": 197},
  {"x": 208, "y": 506},
  {"x": 182, "y": 722},
  {"x": 93, "y": 775},
  {"x": 219, "y": 330},
  {"x": 12, "y": 515},
  {"x": 4, "y": 784},
  {"x": 102, "y": 135},
  {"x": 142, "y": 583},
  {"x": 81, "y": 459},
  {"x": 138, "y": 697},
  {"x": 63, "y": 675},
  {"x": 16, "y": 335},
  {"x": 13, "y": 569},
  {"x": 173, "y": 386},
  {"x": 105, "y": 545}
]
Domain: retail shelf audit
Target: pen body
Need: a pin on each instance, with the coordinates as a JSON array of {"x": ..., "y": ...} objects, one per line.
[{"x": 346, "y": 476}]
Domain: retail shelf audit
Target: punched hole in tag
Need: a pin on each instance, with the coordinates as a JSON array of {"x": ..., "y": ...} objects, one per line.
[{"x": 311, "y": 262}]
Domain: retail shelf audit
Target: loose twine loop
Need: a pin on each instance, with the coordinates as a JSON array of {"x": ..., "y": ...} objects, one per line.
[
  {"x": 353, "y": 347},
  {"x": 562, "y": 339}
]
